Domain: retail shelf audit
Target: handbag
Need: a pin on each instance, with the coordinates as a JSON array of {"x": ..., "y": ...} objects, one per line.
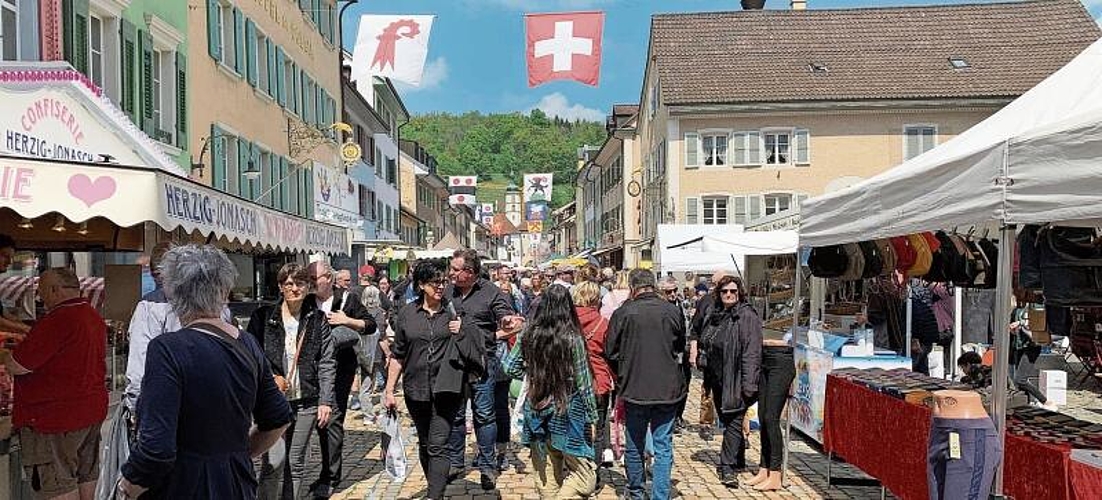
[
  {"x": 707, "y": 408},
  {"x": 343, "y": 337},
  {"x": 1071, "y": 266}
]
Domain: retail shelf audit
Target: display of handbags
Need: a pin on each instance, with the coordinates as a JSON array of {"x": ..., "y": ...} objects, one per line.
[
  {"x": 937, "y": 257},
  {"x": 1064, "y": 262}
]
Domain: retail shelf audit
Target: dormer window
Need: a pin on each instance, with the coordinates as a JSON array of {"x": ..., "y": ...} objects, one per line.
[
  {"x": 818, "y": 68},
  {"x": 959, "y": 63}
]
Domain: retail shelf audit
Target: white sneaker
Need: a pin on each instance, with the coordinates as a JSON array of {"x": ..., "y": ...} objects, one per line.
[{"x": 607, "y": 458}]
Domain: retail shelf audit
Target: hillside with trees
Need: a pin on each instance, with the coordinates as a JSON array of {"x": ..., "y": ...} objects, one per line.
[{"x": 502, "y": 147}]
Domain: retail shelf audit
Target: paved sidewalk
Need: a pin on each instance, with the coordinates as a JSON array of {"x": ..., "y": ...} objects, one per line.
[{"x": 694, "y": 472}]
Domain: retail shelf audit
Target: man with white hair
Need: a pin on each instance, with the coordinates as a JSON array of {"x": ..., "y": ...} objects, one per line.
[{"x": 59, "y": 372}]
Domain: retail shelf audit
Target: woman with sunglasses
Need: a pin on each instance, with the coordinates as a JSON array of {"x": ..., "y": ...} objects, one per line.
[
  {"x": 730, "y": 356},
  {"x": 435, "y": 357}
]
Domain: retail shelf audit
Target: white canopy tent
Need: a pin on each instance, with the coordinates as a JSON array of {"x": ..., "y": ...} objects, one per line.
[
  {"x": 681, "y": 248},
  {"x": 1034, "y": 161},
  {"x": 752, "y": 243},
  {"x": 1037, "y": 160}
]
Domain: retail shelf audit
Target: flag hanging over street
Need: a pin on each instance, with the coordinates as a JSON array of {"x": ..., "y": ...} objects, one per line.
[
  {"x": 462, "y": 189},
  {"x": 564, "y": 46},
  {"x": 538, "y": 187},
  {"x": 392, "y": 46}
]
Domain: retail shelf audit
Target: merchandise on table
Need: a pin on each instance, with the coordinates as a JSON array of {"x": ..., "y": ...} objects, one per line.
[{"x": 1054, "y": 428}]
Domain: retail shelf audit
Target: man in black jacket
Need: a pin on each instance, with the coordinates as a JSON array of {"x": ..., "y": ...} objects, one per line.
[
  {"x": 343, "y": 309},
  {"x": 645, "y": 346}
]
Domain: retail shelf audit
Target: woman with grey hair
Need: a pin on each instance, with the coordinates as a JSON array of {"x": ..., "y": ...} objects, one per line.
[
  {"x": 374, "y": 351},
  {"x": 204, "y": 387}
]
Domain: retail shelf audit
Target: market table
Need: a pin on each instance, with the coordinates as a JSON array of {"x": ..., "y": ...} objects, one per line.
[
  {"x": 1086, "y": 480},
  {"x": 887, "y": 439}
]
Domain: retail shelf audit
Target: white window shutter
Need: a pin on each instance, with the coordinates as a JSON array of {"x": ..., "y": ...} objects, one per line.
[
  {"x": 912, "y": 143},
  {"x": 800, "y": 197},
  {"x": 737, "y": 143},
  {"x": 753, "y": 140},
  {"x": 755, "y": 207},
  {"x": 803, "y": 146},
  {"x": 692, "y": 210},
  {"x": 732, "y": 208},
  {"x": 740, "y": 210},
  {"x": 692, "y": 150}
]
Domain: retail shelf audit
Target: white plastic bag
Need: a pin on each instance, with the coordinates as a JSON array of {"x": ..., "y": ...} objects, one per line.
[
  {"x": 517, "y": 418},
  {"x": 396, "y": 464}
]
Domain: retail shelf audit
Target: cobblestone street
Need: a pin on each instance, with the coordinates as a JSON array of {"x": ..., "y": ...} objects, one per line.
[{"x": 694, "y": 471}]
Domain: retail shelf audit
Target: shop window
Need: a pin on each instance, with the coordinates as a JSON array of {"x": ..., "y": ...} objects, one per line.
[
  {"x": 714, "y": 210},
  {"x": 918, "y": 139}
]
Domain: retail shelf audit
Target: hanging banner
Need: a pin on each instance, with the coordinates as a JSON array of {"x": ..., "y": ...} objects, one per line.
[
  {"x": 538, "y": 187},
  {"x": 461, "y": 189},
  {"x": 564, "y": 46},
  {"x": 336, "y": 197},
  {"x": 392, "y": 46}
]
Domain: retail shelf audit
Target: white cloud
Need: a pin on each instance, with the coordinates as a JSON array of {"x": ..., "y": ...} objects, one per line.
[
  {"x": 558, "y": 105},
  {"x": 436, "y": 72}
]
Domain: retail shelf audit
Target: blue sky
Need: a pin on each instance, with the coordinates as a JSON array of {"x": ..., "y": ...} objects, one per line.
[{"x": 476, "y": 54}]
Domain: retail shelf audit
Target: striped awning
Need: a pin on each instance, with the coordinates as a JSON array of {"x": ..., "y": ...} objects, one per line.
[{"x": 15, "y": 289}]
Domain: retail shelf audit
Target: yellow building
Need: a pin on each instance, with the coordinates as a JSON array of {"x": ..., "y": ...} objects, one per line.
[
  {"x": 773, "y": 106},
  {"x": 265, "y": 89}
]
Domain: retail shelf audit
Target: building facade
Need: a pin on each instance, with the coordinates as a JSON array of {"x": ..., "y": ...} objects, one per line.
[
  {"x": 612, "y": 225},
  {"x": 842, "y": 97},
  {"x": 424, "y": 193},
  {"x": 266, "y": 79}
]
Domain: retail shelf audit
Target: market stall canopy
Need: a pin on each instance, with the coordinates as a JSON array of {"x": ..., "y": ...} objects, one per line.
[
  {"x": 681, "y": 248},
  {"x": 752, "y": 243},
  {"x": 1035, "y": 161},
  {"x": 52, "y": 111},
  {"x": 132, "y": 195}
]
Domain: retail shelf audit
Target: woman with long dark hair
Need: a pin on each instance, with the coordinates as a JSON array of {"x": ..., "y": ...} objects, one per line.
[
  {"x": 730, "y": 355},
  {"x": 561, "y": 404},
  {"x": 435, "y": 356}
]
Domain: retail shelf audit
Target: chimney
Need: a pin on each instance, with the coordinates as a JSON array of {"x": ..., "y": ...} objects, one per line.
[
  {"x": 753, "y": 4},
  {"x": 799, "y": 4}
]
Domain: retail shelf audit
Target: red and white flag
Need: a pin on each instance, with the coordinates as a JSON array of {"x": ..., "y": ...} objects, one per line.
[
  {"x": 461, "y": 189},
  {"x": 564, "y": 46},
  {"x": 394, "y": 47}
]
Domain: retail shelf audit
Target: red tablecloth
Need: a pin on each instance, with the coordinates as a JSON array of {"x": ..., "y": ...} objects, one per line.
[
  {"x": 1086, "y": 481},
  {"x": 888, "y": 438}
]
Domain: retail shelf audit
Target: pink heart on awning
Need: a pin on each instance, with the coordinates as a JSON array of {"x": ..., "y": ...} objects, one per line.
[{"x": 89, "y": 191}]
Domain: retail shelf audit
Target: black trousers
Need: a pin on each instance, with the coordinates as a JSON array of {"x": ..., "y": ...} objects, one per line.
[
  {"x": 687, "y": 371},
  {"x": 331, "y": 438},
  {"x": 602, "y": 439},
  {"x": 732, "y": 453},
  {"x": 778, "y": 369},
  {"x": 433, "y": 421}
]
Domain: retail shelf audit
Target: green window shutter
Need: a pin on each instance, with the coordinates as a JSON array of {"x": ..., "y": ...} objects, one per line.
[
  {"x": 238, "y": 42},
  {"x": 214, "y": 31},
  {"x": 319, "y": 106},
  {"x": 292, "y": 89},
  {"x": 74, "y": 36},
  {"x": 217, "y": 159},
  {"x": 284, "y": 189},
  {"x": 147, "y": 81},
  {"x": 251, "y": 68},
  {"x": 244, "y": 152},
  {"x": 181, "y": 100},
  {"x": 309, "y": 194},
  {"x": 280, "y": 81},
  {"x": 315, "y": 7},
  {"x": 129, "y": 52},
  {"x": 269, "y": 86}
]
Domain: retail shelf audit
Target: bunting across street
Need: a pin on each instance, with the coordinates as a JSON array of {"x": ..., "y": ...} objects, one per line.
[{"x": 461, "y": 189}]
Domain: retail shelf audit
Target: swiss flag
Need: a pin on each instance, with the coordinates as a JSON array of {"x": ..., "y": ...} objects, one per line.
[{"x": 564, "y": 46}]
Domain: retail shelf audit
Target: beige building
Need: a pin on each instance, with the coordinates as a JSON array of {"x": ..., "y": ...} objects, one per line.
[
  {"x": 797, "y": 103},
  {"x": 265, "y": 89},
  {"x": 424, "y": 197},
  {"x": 609, "y": 198}
]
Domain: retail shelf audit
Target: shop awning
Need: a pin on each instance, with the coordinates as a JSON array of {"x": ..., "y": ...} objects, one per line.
[
  {"x": 132, "y": 195},
  {"x": 14, "y": 288}
]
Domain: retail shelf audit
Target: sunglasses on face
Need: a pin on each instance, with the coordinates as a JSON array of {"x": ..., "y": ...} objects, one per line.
[{"x": 732, "y": 291}]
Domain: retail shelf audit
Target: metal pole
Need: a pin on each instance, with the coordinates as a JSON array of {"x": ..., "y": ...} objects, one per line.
[
  {"x": 910, "y": 315},
  {"x": 1000, "y": 377},
  {"x": 796, "y": 301},
  {"x": 958, "y": 329}
]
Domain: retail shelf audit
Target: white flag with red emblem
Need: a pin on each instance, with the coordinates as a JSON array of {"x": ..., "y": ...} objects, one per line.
[
  {"x": 564, "y": 46},
  {"x": 393, "y": 47},
  {"x": 462, "y": 189}
]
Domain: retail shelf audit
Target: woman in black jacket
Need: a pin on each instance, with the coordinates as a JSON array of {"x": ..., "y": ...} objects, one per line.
[
  {"x": 434, "y": 356},
  {"x": 730, "y": 355},
  {"x": 295, "y": 338}
]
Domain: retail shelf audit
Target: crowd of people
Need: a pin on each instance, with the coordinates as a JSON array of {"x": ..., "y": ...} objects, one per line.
[{"x": 213, "y": 410}]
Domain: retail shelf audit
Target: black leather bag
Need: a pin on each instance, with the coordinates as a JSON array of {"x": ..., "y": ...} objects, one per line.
[
  {"x": 1029, "y": 258},
  {"x": 1071, "y": 266},
  {"x": 828, "y": 262},
  {"x": 874, "y": 262}
]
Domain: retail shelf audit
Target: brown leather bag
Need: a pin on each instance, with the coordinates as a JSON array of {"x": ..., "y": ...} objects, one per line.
[
  {"x": 285, "y": 383},
  {"x": 707, "y": 409}
]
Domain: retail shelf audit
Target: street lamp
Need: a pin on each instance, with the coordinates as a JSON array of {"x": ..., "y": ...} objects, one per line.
[{"x": 251, "y": 173}]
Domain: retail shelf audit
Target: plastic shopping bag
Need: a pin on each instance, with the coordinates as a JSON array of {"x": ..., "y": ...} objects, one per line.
[
  {"x": 396, "y": 464},
  {"x": 517, "y": 418},
  {"x": 115, "y": 453}
]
